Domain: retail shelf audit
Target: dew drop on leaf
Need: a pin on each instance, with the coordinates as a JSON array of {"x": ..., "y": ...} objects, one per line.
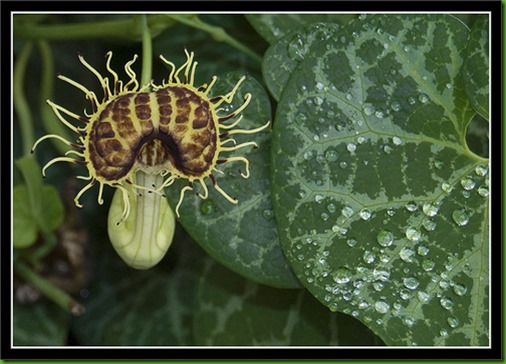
[
  {"x": 407, "y": 254},
  {"x": 365, "y": 214},
  {"x": 382, "y": 307},
  {"x": 411, "y": 283},
  {"x": 460, "y": 217},
  {"x": 453, "y": 322},
  {"x": 446, "y": 187},
  {"x": 342, "y": 275},
  {"x": 207, "y": 207},
  {"x": 446, "y": 303},
  {"x": 413, "y": 234},
  {"x": 385, "y": 238},
  {"x": 481, "y": 170},
  {"x": 430, "y": 209},
  {"x": 459, "y": 289},
  {"x": 468, "y": 183},
  {"x": 411, "y": 206},
  {"x": 428, "y": 265}
]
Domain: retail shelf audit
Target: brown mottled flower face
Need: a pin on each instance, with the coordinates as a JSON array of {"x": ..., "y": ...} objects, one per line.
[{"x": 172, "y": 130}]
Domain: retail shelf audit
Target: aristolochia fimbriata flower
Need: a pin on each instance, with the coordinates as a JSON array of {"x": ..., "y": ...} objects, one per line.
[{"x": 139, "y": 139}]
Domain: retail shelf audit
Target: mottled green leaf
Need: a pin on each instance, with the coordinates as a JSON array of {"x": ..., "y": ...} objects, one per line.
[
  {"x": 283, "y": 56},
  {"x": 476, "y": 66},
  {"x": 382, "y": 209},
  {"x": 234, "y": 311},
  {"x": 24, "y": 226},
  {"x": 243, "y": 237},
  {"x": 40, "y": 324},
  {"x": 151, "y": 307},
  {"x": 274, "y": 26}
]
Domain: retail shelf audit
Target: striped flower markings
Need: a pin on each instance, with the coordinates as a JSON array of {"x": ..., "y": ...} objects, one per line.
[{"x": 139, "y": 139}]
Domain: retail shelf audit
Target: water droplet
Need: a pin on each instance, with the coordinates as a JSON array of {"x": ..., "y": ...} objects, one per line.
[
  {"x": 347, "y": 211},
  {"x": 380, "y": 114},
  {"x": 302, "y": 194},
  {"x": 411, "y": 206},
  {"x": 395, "y": 106},
  {"x": 351, "y": 242},
  {"x": 428, "y": 265},
  {"x": 413, "y": 234},
  {"x": 387, "y": 149},
  {"x": 268, "y": 214},
  {"x": 449, "y": 86},
  {"x": 369, "y": 109},
  {"x": 343, "y": 165},
  {"x": 409, "y": 321},
  {"x": 207, "y": 207},
  {"x": 382, "y": 307},
  {"x": 453, "y": 322},
  {"x": 446, "y": 187},
  {"x": 446, "y": 303},
  {"x": 481, "y": 170},
  {"x": 397, "y": 140},
  {"x": 411, "y": 283},
  {"x": 459, "y": 289},
  {"x": 483, "y": 191},
  {"x": 404, "y": 294},
  {"x": 411, "y": 100},
  {"x": 351, "y": 147},
  {"x": 360, "y": 140},
  {"x": 422, "y": 250},
  {"x": 460, "y": 217},
  {"x": 468, "y": 183},
  {"x": 331, "y": 155},
  {"x": 365, "y": 214},
  {"x": 331, "y": 207},
  {"x": 438, "y": 164},
  {"x": 369, "y": 257},
  {"x": 385, "y": 238},
  {"x": 423, "y": 98},
  {"x": 342, "y": 275},
  {"x": 318, "y": 101},
  {"x": 381, "y": 274},
  {"x": 296, "y": 48},
  {"x": 407, "y": 254},
  {"x": 423, "y": 297},
  {"x": 443, "y": 333},
  {"x": 319, "y": 198},
  {"x": 407, "y": 49},
  {"x": 430, "y": 209},
  {"x": 308, "y": 155},
  {"x": 429, "y": 224},
  {"x": 319, "y": 86},
  {"x": 349, "y": 96},
  {"x": 300, "y": 257},
  {"x": 324, "y": 216}
]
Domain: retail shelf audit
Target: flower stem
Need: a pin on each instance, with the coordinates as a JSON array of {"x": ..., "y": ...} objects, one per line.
[
  {"x": 147, "y": 52},
  {"x": 219, "y": 34},
  {"x": 52, "y": 292},
  {"x": 20, "y": 103}
]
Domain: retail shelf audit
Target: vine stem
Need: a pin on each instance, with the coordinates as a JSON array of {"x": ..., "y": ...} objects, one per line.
[
  {"x": 52, "y": 292},
  {"x": 219, "y": 34},
  {"x": 20, "y": 103},
  {"x": 147, "y": 51}
]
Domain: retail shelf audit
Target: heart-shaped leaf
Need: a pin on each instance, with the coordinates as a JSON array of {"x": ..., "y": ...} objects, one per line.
[{"x": 382, "y": 209}]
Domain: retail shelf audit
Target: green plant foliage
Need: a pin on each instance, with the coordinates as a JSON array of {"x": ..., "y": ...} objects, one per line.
[
  {"x": 152, "y": 307},
  {"x": 36, "y": 207},
  {"x": 274, "y": 26},
  {"x": 243, "y": 237},
  {"x": 232, "y": 310},
  {"x": 40, "y": 324},
  {"x": 476, "y": 66},
  {"x": 381, "y": 208}
]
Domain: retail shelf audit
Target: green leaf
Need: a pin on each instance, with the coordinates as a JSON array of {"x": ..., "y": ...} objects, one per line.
[
  {"x": 274, "y": 26},
  {"x": 234, "y": 311},
  {"x": 53, "y": 209},
  {"x": 381, "y": 208},
  {"x": 476, "y": 67},
  {"x": 24, "y": 226},
  {"x": 150, "y": 307},
  {"x": 283, "y": 56},
  {"x": 40, "y": 324},
  {"x": 243, "y": 237},
  {"x": 45, "y": 207}
]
